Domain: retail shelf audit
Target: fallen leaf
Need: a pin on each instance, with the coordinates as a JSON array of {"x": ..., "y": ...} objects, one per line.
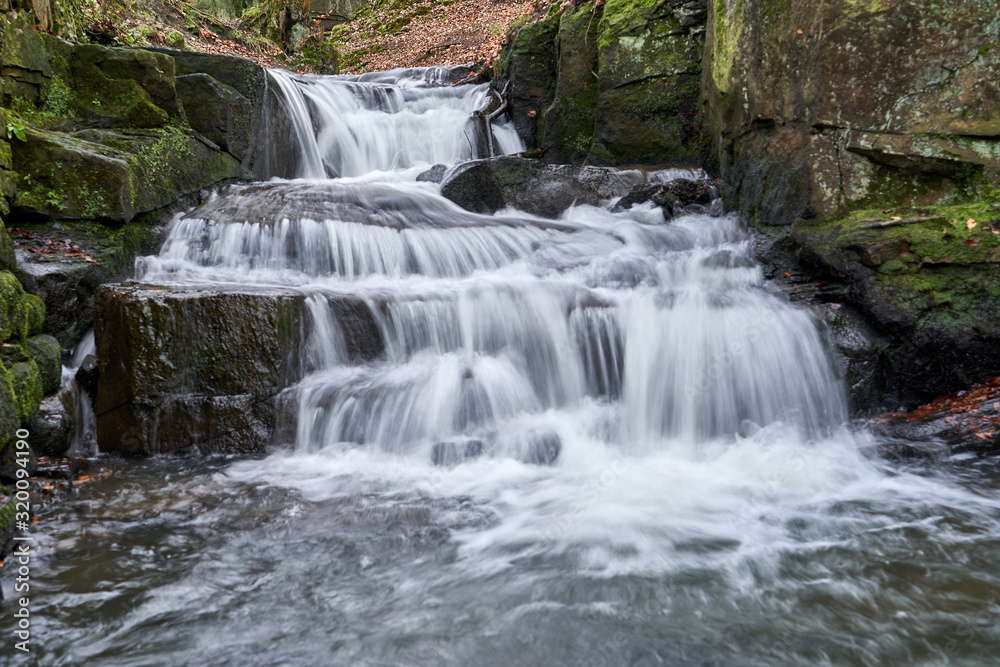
[
  {"x": 799, "y": 31},
  {"x": 972, "y": 242},
  {"x": 897, "y": 217},
  {"x": 787, "y": 274},
  {"x": 532, "y": 113},
  {"x": 970, "y": 224},
  {"x": 986, "y": 435}
]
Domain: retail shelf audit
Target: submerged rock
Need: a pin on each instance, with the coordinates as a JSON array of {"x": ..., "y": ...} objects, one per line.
[
  {"x": 539, "y": 447},
  {"x": 453, "y": 453},
  {"x": 433, "y": 175}
]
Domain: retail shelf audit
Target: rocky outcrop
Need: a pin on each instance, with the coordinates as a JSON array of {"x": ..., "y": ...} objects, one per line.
[
  {"x": 486, "y": 186},
  {"x": 869, "y": 131},
  {"x": 183, "y": 369},
  {"x": 820, "y": 106},
  {"x": 610, "y": 83}
]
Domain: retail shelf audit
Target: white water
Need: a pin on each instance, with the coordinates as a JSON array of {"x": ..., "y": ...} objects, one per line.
[{"x": 708, "y": 503}]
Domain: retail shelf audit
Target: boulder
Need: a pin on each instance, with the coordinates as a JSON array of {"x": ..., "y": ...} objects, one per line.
[
  {"x": 217, "y": 111},
  {"x": 610, "y": 83},
  {"x": 433, "y": 175},
  {"x": 113, "y": 176},
  {"x": 202, "y": 368},
  {"x": 474, "y": 187},
  {"x": 51, "y": 428},
  {"x": 131, "y": 88},
  {"x": 486, "y": 186},
  {"x": 45, "y": 350}
]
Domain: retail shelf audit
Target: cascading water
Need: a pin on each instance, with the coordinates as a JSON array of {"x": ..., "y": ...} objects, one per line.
[{"x": 597, "y": 440}]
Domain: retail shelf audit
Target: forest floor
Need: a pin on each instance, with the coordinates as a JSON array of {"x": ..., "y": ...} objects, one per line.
[
  {"x": 383, "y": 34},
  {"x": 428, "y": 32}
]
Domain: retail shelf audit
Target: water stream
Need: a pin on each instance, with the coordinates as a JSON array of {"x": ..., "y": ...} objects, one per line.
[{"x": 598, "y": 440}]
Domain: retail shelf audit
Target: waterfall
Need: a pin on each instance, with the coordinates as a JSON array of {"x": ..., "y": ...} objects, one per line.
[
  {"x": 351, "y": 125},
  {"x": 497, "y": 328}
]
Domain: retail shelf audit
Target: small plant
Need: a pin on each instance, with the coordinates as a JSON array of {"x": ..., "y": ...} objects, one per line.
[
  {"x": 496, "y": 29},
  {"x": 16, "y": 130}
]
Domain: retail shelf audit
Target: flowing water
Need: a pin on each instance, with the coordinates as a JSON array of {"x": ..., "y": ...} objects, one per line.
[{"x": 598, "y": 440}]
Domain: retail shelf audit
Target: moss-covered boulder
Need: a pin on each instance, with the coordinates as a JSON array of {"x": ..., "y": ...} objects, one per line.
[
  {"x": 202, "y": 368},
  {"x": 21, "y": 314},
  {"x": 47, "y": 354},
  {"x": 123, "y": 87},
  {"x": 113, "y": 176}
]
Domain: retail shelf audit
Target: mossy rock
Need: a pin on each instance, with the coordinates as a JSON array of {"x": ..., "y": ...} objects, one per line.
[
  {"x": 47, "y": 353},
  {"x": 108, "y": 175},
  {"x": 27, "y": 382},
  {"x": 8, "y": 261},
  {"x": 124, "y": 87},
  {"x": 217, "y": 111},
  {"x": 21, "y": 314},
  {"x": 175, "y": 39}
]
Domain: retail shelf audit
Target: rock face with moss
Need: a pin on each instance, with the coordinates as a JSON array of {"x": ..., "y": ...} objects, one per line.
[
  {"x": 823, "y": 106},
  {"x": 30, "y": 367},
  {"x": 870, "y": 129},
  {"x": 610, "y": 83},
  {"x": 184, "y": 369}
]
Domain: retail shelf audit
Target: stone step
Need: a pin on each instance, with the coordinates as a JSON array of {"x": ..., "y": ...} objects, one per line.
[{"x": 200, "y": 367}]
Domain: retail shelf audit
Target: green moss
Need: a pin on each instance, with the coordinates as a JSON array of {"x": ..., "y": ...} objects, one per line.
[
  {"x": 59, "y": 100},
  {"x": 27, "y": 384},
  {"x": 175, "y": 39},
  {"x": 47, "y": 354},
  {"x": 942, "y": 272}
]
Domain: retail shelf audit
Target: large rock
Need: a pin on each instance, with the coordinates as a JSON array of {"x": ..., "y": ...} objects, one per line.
[
  {"x": 252, "y": 125},
  {"x": 113, "y": 176},
  {"x": 202, "y": 368},
  {"x": 486, "y": 186},
  {"x": 929, "y": 280},
  {"x": 824, "y": 105},
  {"x": 51, "y": 429},
  {"x": 45, "y": 350},
  {"x": 610, "y": 83},
  {"x": 123, "y": 87}
]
